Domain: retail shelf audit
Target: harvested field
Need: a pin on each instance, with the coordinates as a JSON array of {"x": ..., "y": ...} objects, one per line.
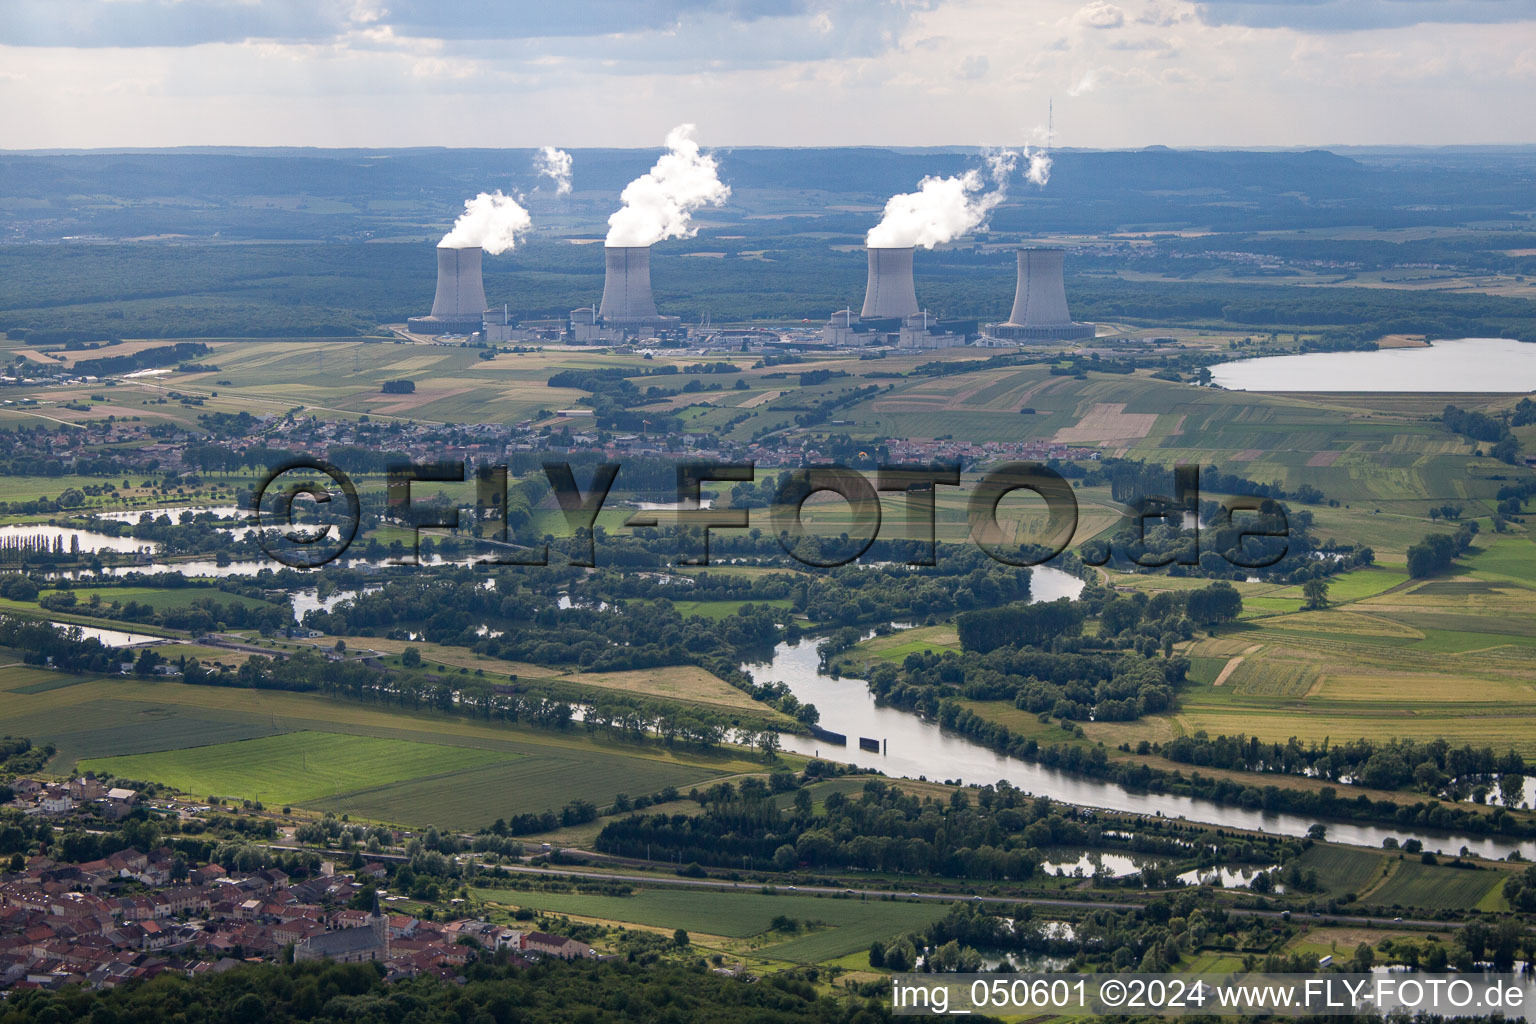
[{"x": 1107, "y": 422}]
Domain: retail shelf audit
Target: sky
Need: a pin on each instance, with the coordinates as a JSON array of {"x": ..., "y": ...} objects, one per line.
[{"x": 514, "y": 73}]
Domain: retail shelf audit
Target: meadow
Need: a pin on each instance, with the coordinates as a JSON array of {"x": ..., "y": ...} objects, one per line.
[
  {"x": 845, "y": 925},
  {"x": 383, "y": 764},
  {"x": 1449, "y": 657},
  {"x": 293, "y": 768},
  {"x": 1435, "y": 887},
  {"x": 1343, "y": 869}
]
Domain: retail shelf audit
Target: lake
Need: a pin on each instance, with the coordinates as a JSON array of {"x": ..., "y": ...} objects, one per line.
[{"x": 1499, "y": 365}]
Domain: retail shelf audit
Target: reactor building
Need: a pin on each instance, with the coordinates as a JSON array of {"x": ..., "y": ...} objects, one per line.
[
  {"x": 459, "y": 305},
  {"x": 1039, "y": 303},
  {"x": 891, "y": 317}
]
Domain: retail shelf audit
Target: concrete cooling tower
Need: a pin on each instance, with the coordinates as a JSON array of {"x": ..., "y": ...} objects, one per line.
[
  {"x": 889, "y": 291},
  {"x": 1040, "y": 302},
  {"x": 627, "y": 302},
  {"x": 627, "y": 284},
  {"x": 459, "y": 305}
]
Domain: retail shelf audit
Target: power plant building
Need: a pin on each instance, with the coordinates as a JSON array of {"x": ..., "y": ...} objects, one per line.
[
  {"x": 1040, "y": 302},
  {"x": 891, "y": 316},
  {"x": 459, "y": 305}
]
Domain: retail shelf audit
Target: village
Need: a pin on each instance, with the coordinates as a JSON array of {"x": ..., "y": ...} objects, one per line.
[{"x": 132, "y": 915}]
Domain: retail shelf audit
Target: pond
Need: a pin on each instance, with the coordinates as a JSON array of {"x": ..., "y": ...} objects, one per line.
[
  {"x": 1500, "y": 365},
  {"x": 111, "y": 637},
  {"x": 34, "y": 534}
]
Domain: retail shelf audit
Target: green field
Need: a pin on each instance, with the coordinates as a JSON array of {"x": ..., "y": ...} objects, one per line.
[
  {"x": 1435, "y": 887},
  {"x": 465, "y": 799},
  {"x": 374, "y": 763},
  {"x": 294, "y": 768},
  {"x": 158, "y": 598},
  {"x": 850, "y": 924},
  {"x": 1343, "y": 869}
]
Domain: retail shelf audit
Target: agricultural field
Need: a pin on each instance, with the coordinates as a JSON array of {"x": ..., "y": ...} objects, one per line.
[
  {"x": 687, "y": 684},
  {"x": 87, "y": 599},
  {"x": 1450, "y": 657},
  {"x": 830, "y": 926},
  {"x": 293, "y": 768},
  {"x": 1344, "y": 869},
  {"x": 468, "y": 772},
  {"x": 1435, "y": 887}
]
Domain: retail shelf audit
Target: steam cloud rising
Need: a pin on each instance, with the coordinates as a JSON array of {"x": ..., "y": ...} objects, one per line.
[
  {"x": 490, "y": 220},
  {"x": 555, "y": 164},
  {"x": 660, "y": 202},
  {"x": 1037, "y": 166},
  {"x": 942, "y": 209}
]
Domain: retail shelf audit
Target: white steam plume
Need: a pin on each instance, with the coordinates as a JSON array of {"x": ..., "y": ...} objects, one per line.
[
  {"x": 659, "y": 203},
  {"x": 943, "y": 209},
  {"x": 490, "y": 220},
  {"x": 555, "y": 164},
  {"x": 1037, "y": 166}
]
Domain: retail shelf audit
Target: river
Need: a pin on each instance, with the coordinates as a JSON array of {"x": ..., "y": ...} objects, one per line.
[{"x": 914, "y": 747}]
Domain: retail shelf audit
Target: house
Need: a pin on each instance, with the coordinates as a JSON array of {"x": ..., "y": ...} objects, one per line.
[
  {"x": 555, "y": 945},
  {"x": 119, "y": 803},
  {"x": 86, "y": 788},
  {"x": 55, "y": 800},
  {"x": 207, "y": 873},
  {"x": 291, "y": 933}
]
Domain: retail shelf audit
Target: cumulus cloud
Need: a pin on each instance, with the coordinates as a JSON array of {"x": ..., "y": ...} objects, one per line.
[
  {"x": 973, "y": 67},
  {"x": 490, "y": 220},
  {"x": 554, "y": 164},
  {"x": 660, "y": 203},
  {"x": 1100, "y": 14}
]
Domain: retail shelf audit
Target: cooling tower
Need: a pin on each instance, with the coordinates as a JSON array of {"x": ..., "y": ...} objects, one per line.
[
  {"x": 889, "y": 291},
  {"x": 627, "y": 285},
  {"x": 460, "y": 292},
  {"x": 1040, "y": 302},
  {"x": 459, "y": 305}
]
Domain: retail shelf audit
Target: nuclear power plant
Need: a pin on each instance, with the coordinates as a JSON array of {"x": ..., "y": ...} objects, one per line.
[
  {"x": 627, "y": 302},
  {"x": 1040, "y": 302},
  {"x": 459, "y": 305},
  {"x": 890, "y": 317}
]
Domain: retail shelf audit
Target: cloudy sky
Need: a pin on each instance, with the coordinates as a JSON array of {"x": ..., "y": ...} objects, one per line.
[{"x": 82, "y": 73}]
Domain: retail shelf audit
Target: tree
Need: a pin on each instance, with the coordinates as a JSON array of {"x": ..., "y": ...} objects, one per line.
[
  {"x": 1316, "y": 593},
  {"x": 410, "y": 657},
  {"x": 680, "y": 938}
]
